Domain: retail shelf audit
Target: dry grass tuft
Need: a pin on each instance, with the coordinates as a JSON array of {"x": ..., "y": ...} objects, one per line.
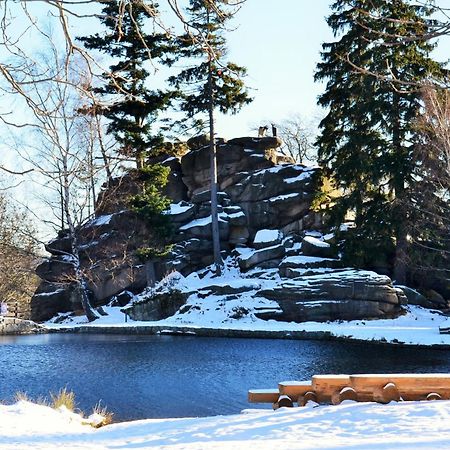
[
  {"x": 104, "y": 413},
  {"x": 65, "y": 398}
]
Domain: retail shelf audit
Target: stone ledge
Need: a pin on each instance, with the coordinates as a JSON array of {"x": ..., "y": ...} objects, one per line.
[
  {"x": 13, "y": 326},
  {"x": 233, "y": 333}
]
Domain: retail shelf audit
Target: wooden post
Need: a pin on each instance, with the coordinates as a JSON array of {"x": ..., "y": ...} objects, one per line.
[
  {"x": 309, "y": 396},
  {"x": 347, "y": 393},
  {"x": 387, "y": 393},
  {"x": 283, "y": 402}
]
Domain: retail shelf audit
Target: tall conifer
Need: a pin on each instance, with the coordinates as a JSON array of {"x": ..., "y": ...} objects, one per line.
[
  {"x": 134, "y": 106},
  {"x": 209, "y": 83},
  {"x": 373, "y": 72}
]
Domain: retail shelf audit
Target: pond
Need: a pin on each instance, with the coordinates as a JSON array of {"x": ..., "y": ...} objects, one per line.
[{"x": 140, "y": 377}]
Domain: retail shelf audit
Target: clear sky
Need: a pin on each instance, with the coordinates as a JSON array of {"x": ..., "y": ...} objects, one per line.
[{"x": 280, "y": 44}]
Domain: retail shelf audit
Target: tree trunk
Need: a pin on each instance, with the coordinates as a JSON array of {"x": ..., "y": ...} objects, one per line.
[
  {"x": 213, "y": 170},
  {"x": 400, "y": 212},
  {"x": 103, "y": 151},
  {"x": 79, "y": 277}
]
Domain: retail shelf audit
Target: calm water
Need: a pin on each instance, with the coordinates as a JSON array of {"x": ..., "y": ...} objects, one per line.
[{"x": 163, "y": 376}]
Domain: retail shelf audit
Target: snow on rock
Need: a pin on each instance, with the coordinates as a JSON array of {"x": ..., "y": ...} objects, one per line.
[
  {"x": 178, "y": 208},
  {"x": 316, "y": 242},
  {"x": 267, "y": 238},
  {"x": 281, "y": 198},
  {"x": 403, "y": 425},
  {"x": 101, "y": 220},
  {"x": 303, "y": 176}
]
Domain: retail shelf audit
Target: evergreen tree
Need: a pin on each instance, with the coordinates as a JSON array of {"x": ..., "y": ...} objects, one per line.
[
  {"x": 373, "y": 71},
  {"x": 210, "y": 75},
  {"x": 134, "y": 107},
  {"x": 212, "y": 83},
  {"x": 151, "y": 205}
]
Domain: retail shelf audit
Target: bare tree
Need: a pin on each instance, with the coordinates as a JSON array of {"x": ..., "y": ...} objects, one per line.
[
  {"x": 298, "y": 138},
  {"x": 18, "y": 257}
]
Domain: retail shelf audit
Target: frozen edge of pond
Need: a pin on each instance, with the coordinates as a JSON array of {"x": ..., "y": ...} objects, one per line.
[{"x": 419, "y": 327}]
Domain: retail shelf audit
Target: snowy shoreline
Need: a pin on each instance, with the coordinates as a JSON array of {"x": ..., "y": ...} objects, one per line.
[
  {"x": 419, "y": 327},
  {"x": 351, "y": 425}
]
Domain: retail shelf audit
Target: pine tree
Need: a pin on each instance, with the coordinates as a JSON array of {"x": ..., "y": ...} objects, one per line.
[
  {"x": 373, "y": 71},
  {"x": 211, "y": 84},
  {"x": 134, "y": 107}
]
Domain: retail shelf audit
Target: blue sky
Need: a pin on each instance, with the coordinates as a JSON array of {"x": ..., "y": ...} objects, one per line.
[{"x": 280, "y": 47}]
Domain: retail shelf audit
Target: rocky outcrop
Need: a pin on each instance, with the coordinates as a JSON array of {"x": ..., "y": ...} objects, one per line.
[
  {"x": 115, "y": 196},
  {"x": 233, "y": 157},
  {"x": 12, "y": 326},
  {"x": 276, "y": 197},
  {"x": 107, "y": 248},
  {"x": 264, "y": 208},
  {"x": 346, "y": 295}
]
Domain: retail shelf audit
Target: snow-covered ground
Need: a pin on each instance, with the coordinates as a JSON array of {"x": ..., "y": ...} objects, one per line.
[
  {"x": 418, "y": 327},
  {"x": 407, "y": 425},
  {"x": 210, "y": 306}
]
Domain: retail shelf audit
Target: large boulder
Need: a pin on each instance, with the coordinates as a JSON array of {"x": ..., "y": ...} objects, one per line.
[
  {"x": 57, "y": 269},
  {"x": 257, "y": 143},
  {"x": 157, "y": 307},
  {"x": 267, "y": 238},
  {"x": 230, "y": 160},
  {"x": 346, "y": 295},
  {"x": 51, "y": 299},
  {"x": 251, "y": 258}
]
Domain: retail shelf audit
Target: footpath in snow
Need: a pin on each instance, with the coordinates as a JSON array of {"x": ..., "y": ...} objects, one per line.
[{"x": 407, "y": 425}]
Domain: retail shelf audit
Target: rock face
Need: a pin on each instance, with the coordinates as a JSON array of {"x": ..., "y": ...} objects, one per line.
[
  {"x": 11, "y": 326},
  {"x": 232, "y": 158},
  {"x": 346, "y": 295},
  {"x": 104, "y": 242},
  {"x": 265, "y": 224},
  {"x": 157, "y": 307}
]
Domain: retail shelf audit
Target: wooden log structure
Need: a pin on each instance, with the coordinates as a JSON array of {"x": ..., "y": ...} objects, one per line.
[
  {"x": 409, "y": 386},
  {"x": 325, "y": 386},
  {"x": 382, "y": 388}
]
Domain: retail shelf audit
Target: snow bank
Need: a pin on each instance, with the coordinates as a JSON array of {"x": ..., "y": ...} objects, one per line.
[{"x": 350, "y": 425}]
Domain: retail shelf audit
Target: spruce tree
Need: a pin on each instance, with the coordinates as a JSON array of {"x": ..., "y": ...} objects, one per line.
[
  {"x": 210, "y": 83},
  {"x": 372, "y": 72},
  {"x": 134, "y": 106}
]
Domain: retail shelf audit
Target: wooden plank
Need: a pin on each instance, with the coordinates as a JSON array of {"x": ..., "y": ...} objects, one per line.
[
  {"x": 409, "y": 385},
  {"x": 263, "y": 395},
  {"x": 294, "y": 388}
]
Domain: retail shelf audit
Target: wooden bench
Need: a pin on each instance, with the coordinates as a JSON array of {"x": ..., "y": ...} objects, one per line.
[{"x": 334, "y": 389}]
